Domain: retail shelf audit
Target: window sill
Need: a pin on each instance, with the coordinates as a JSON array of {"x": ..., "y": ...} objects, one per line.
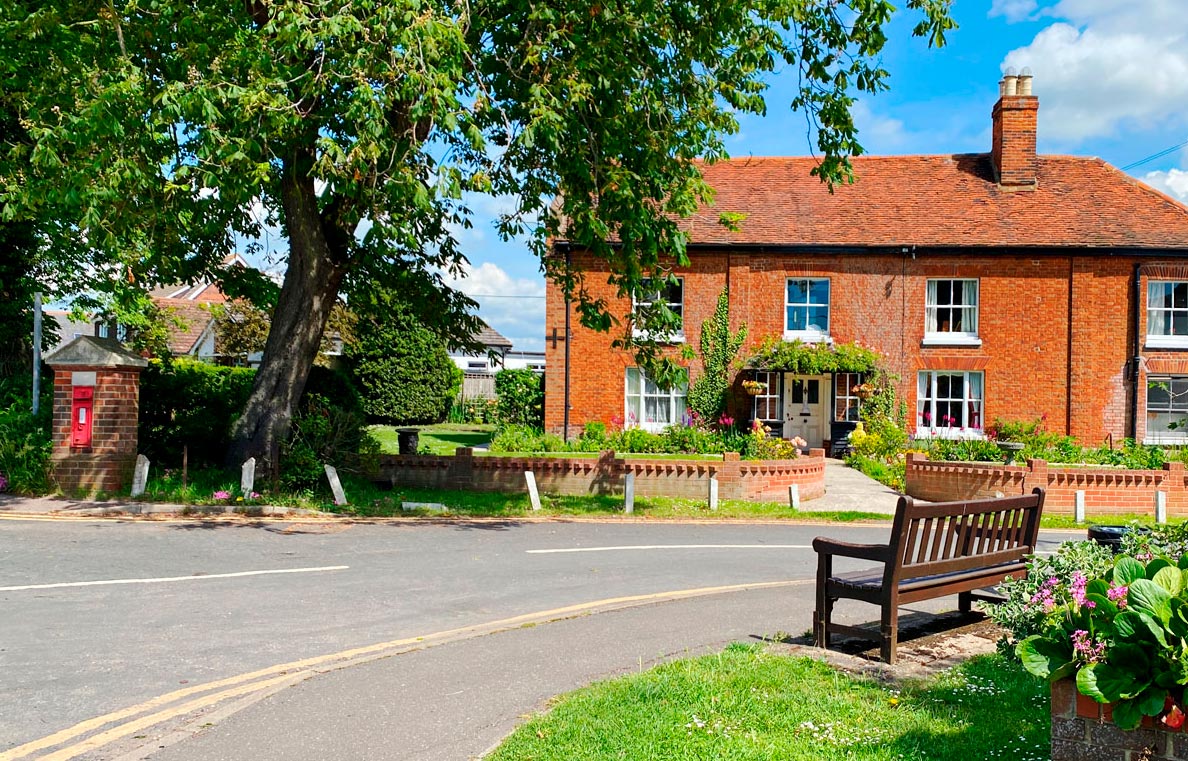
[
  {"x": 951, "y": 339},
  {"x": 1155, "y": 441},
  {"x": 1166, "y": 342},
  {"x": 808, "y": 337},
  {"x": 678, "y": 338},
  {"x": 954, "y": 434}
]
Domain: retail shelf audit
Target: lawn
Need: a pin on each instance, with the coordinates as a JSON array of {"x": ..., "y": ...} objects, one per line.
[
  {"x": 746, "y": 704},
  {"x": 443, "y": 438}
]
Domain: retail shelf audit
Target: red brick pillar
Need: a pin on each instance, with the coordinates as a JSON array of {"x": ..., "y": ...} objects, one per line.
[
  {"x": 1173, "y": 484},
  {"x": 729, "y": 473},
  {"x": 96, "y": 410},
  {"x": 1036, "y": 475}
]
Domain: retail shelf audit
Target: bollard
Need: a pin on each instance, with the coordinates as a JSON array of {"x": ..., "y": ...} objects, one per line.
[
  {"x": 1161, "y": 507},
  {"x": 140, "y": 476},
  {"x": 247, "y": 477},
  {"x": 794, "y": 496},
  {"x": 629, "y": 494},
  {"x": 1079, "y": 507},
  {"x": 533, "y": 494},
  {"x": 713, "y": 492},
  {"x": 335, "y": 485}
]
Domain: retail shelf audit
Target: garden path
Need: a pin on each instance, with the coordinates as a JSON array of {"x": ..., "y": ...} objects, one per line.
[{"x": 849, "y": 489}]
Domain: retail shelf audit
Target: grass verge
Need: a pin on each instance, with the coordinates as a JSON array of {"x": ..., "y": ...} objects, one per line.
[
  {"x": 436, "y": 439},
  {"x": 746, "y": 704}
]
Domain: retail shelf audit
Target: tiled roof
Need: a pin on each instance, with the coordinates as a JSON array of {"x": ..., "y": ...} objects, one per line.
[
  {"x": 938, "y": 201},
  {"x": 195, "y": 318},
  {"x": 488, "y": 336}
]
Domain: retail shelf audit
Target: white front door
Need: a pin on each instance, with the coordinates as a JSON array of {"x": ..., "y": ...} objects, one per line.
[{"x": 806, "y": 406}]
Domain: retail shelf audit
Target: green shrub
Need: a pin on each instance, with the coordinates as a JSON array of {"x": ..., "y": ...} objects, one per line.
[
  {"x": 192, "y": 404},
  {"x": 1022, "y": 614},
  {"x": 637, "y": 441},
  {"x": 520, "y": 395},
  {"x": 719, "y": 347},
  {"x": 890, "y": 474},
  {"x": 689, "y": 439},
  {"x": 473, "y": 410},
  {"x": 971, "y": 450},
  {"x": 403, "y": 370},
  {"x": 324, "y": 432},
  {"x": 516, "y": 438},
  {"x": 25, "y": 440}
]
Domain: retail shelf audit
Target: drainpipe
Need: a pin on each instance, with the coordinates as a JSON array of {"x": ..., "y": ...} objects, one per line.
[
  {"x": 568, "y": 340},
  {"x": 1136, "y": 361}
]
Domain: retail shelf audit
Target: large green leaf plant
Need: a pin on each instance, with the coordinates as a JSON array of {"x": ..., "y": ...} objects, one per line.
[{"x": 1123, "y": 636}]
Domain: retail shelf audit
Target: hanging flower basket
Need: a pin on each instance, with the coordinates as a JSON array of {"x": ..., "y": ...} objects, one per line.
[{"x": 753, "y": 387}]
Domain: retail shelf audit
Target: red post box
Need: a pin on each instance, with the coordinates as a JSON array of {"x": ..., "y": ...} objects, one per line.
[{"x": 81, "y": 414}]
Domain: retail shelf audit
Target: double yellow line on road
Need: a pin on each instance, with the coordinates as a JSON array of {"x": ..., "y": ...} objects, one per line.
[{"x": 112, "y": 727}]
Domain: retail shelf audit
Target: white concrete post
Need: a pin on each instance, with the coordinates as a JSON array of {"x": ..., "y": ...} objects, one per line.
[
  {"x": 713, "y": 492},
  {"x": 247, "y": 477},
  {"x": 533, "y": 494},
  {"x": 140, "y": 476},
  {"x": 794, "y": 496},
  {"x": 335, "y": 485},
  {"x": 1079, "y": 506},
  {"x": 629, "y": 493},
  {"x": 1161, "y": 507}
]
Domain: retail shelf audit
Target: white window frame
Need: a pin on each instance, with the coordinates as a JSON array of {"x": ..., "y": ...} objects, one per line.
[
  {"x": 809, "y": 335},
  {"x": 933, "y": 336},
  {"x": 926, "y": 393},
  {"x": 675, "y": 306},
  {"x": 1166, "y": 338},
  {"x": 677, "y": 399},
  {"x": 1165, "y": 436},
  {"x": 771, "y": 397},
  {"x": 841, "y": 400}
]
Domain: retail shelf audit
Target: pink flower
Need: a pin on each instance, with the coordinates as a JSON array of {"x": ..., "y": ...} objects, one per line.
[
  {"x": 1118, "y": 595},
  {"x": 1076, "y": 589},
  {"x": 1084, "y": 646},
  {"x": 220, "y": 494}
]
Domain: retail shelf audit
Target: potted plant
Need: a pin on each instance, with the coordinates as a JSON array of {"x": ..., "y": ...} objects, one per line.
[{"x": 1120, "y": 636}]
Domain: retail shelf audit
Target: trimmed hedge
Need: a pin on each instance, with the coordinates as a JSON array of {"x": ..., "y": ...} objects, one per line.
[{"x": 188, "y": 403}]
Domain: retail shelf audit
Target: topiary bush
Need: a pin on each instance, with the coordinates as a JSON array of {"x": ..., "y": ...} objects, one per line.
[
  {"x": 520, "y": 395},
  {"x": 402, "y": 370}
]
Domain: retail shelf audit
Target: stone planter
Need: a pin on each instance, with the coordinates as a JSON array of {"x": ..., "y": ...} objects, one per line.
[{"x": 1083, "y": 730}]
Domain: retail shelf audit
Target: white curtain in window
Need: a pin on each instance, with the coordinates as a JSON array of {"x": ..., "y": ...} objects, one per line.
[
  {"x": 930, "y": 308},
  {"x": 970, "y": 299},
  {"x": 1157, "y": 319}
]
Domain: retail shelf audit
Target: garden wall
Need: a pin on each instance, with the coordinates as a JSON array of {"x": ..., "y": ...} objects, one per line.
[
  {"x": 758, "y": 481},
  {"x": 1084, "y": 729},
  {"x": 1107, "y": 490}
]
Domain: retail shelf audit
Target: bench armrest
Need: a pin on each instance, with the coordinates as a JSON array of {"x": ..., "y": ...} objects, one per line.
[{"x": 879, "y": 552}]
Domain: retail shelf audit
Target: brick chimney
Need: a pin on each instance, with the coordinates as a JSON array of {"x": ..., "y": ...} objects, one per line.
[{"x": 1014, "y": 116}]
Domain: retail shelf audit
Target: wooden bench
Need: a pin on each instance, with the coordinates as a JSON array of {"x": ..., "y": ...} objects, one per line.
[{"x": 935, "y": 550}]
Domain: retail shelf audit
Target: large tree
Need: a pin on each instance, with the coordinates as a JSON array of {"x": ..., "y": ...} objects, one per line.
[{"x": 358, "y": 126}]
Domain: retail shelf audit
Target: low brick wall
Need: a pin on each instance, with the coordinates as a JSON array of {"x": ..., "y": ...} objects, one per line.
[
  {"x": 1108, "y": 491},
  {"x": 1084, "y": 729},
  {"x": 759, "y": 480}
]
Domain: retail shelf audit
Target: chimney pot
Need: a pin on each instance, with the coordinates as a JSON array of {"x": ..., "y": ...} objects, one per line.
[{"x": 1010, "y": 83}]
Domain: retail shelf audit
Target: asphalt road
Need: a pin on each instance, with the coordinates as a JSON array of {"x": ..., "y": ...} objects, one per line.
[{"x": 199, "y": 603}]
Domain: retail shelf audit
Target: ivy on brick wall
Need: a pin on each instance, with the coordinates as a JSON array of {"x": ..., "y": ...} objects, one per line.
[{"x": 813, "y": 359}]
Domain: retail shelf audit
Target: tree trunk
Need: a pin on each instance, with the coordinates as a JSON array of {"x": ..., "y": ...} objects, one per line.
[{"x": 309, "y": 292}]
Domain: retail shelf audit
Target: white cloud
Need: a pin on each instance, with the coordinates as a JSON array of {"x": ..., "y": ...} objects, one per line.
[
  {"x": 513, "y": 306},
  {"x": 1174, "y": 182},
  {"x": 1104, "y": 65},
  {"x": 1013, "y": 10}
]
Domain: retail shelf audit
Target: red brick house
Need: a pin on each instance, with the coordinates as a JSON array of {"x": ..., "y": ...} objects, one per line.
[{"x": 994, "y": 285}]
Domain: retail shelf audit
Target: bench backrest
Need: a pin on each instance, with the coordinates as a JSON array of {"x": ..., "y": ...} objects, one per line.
[{"x": 947, "y": 537}]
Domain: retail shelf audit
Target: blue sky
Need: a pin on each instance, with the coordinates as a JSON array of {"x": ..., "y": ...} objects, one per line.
[{"x": 1111, "y": 76}]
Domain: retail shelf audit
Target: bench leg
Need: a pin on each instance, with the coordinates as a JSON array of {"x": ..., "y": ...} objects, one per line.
[
  {"x": 890, "y": 631},
  {"x": 824, "y": 608},
  {"x": 965, "y": 602}
]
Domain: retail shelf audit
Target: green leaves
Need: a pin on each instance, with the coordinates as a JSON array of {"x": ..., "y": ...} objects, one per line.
[
  {"x": 1108, "y": 684},
  {"x": 1147, "y": 597},
  {"x": 1046, "y": 658},
  {"x": 1127, "y": 570}
]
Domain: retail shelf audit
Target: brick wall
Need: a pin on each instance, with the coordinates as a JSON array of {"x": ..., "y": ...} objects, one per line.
[
  {"x": 1084, "y": 729},
  {"x": 760, "y": 481},
  {"x": 107, "y": 464},
  {"x": 1056, "y": 330},
  {"x": 1108, "y": 491}
]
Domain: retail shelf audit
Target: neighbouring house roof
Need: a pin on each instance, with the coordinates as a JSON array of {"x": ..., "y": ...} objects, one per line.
[
  {"x": 196, "y": 320},
  {"x": 491, "y": 338},
  {"x": 937, "y": 201},
  {"x": 91, "y": 351},
  {"x": 199, "y": 291}
]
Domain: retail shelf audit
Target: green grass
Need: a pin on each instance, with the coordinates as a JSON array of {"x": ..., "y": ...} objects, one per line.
[
  {"x": 443, "y": 438},
  {"x": 746, "y": 704}
]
